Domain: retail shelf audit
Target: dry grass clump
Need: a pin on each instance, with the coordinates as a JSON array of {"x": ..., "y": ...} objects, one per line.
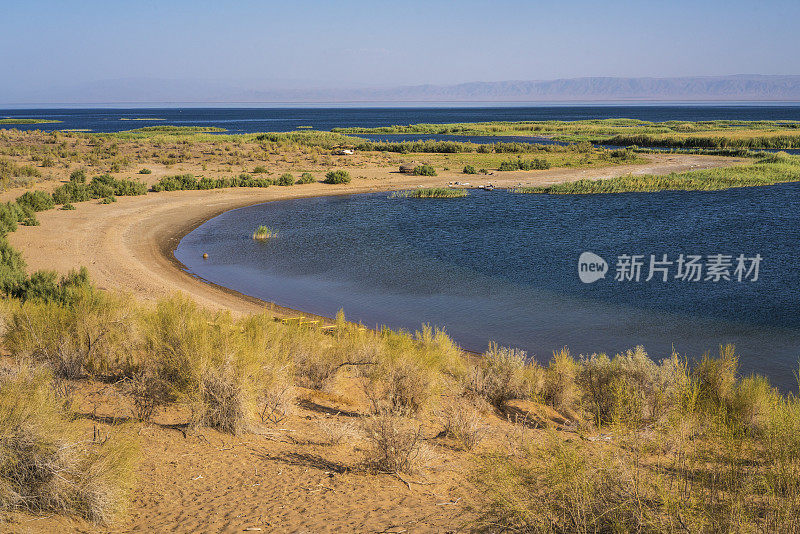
[
  {"x": 395, "y": 443},
  {"x": 408, "y": 371},
  {"x": 337, "y": 432},
  {"x": 503, "y": 374},
  {"x": 93, "y": 336},
  {"x": 218, "y": 366},
  {"x": 461, "y": 420},
  {"x": 47, "y": 464},
  {"x": 559, "y": 389}
]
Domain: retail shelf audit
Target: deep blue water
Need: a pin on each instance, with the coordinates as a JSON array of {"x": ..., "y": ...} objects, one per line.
[
  {"x": 502, "y": 266},
  {"x": 248, "y": 120}
]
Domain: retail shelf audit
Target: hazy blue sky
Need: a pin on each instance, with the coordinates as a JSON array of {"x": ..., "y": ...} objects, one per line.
[{"x": 411, "y": 42}]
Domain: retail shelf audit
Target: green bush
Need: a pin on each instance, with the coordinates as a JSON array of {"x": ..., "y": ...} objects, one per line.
[
  {"x": 285, "y": 179},
  {"x": 337, "y": 177},
  {"x": 68, "y": 207},
  {"x": 524, "y": 165},
  {"x": 259, "y": 169},
  {"x": 424, "y": 170},
  {"x": 78, "y": 176},
  {"x": 145, "y": 171},
  {"x": 36, "y": 200},
  {"x": 469, "y": 169},
  {"x": 306, "y": 178}
]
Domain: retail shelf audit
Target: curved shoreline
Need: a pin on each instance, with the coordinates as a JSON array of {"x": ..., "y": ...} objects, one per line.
[{"x": 129, "y": 245}]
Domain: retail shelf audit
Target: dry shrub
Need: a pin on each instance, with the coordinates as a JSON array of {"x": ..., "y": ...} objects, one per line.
[
  {"x": 395, "y": 443},
  {"x": 559, "y": 388},
  {"x": 314, "y": 363},
  {"x": 559, "y": 486},
  {"x": 461, "y": 420},
  {"x": 219, "y": 366},
  {"x": 504, "y": 374},
  {"x": 46, "y": 464},
  {"x": 336, "y": 431},
  {"x": 94, "y": 336},
  {"x": 278, "y": 393},
  {"x": 631, "y": 388},
  {"x": 716, "y": 377},
  {"x": 148, "y": 393}
]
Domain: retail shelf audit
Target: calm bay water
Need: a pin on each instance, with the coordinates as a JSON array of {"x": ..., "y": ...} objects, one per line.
[
  {"x": 249, "y": 120},
  {"x": 503, "y": 267}
]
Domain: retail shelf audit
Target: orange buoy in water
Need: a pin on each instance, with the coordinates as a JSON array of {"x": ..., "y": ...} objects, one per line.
[{"x": 205, "y": 256}]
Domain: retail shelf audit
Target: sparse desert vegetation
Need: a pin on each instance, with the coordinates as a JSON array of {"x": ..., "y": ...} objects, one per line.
[{"x": 267, "y": 409}]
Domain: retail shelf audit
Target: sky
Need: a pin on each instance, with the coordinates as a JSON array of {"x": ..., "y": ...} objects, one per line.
[{"x": 46, "y": 44}]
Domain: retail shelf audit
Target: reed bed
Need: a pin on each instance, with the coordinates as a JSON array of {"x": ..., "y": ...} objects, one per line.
[
  {"x": 262, "y": 233},
  {"x": 431, "y": 192},
  {"x": 767, "y": 170}
]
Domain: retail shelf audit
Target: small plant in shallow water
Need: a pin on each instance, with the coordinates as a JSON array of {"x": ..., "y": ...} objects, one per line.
[{"x": 263, "y": 233}]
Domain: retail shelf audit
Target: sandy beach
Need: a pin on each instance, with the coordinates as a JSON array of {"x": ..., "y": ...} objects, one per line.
[{"x": 127, "y": 246}]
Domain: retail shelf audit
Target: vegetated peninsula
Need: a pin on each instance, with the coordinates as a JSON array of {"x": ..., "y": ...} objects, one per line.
[{"x": 9, "y": 120}]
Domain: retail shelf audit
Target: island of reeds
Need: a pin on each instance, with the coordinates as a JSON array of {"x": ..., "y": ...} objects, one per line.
[
  {"x": 9, "y": 120},
  {"x": 431, "y": 192},
  {"x": 262, "y": 233}
]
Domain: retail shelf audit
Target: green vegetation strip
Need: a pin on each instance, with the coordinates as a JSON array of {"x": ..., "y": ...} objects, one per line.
[
  {"x": 28, "y": 121},
  {"x": 431, "y": 192},
  {"x": 768, "y": 170},
  {"x": 624, "y": 132}
]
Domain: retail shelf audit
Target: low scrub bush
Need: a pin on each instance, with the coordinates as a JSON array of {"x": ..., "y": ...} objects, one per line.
[
  {"x": 89, "y": 334},
  {"x": 184, "y": 182},
  {"x": 559, "y": 388},
  {"x": 503, "y": 374},
  {"x": 337, "y": 177},
  {"x": 424, "y": 170},
  {"x": 218, "y": 366},
  {"x": 395, "y": 444},
  {"x": 461, "y": 420},
  {"x": 306, "y": 178},
  {"x": 36, "y": 200},
  {"x": 285, "y": 179},
  {"x": 101, "y": 187},
  {"x": 469, "y": 169},
  {"x": 520, "y": 164}
]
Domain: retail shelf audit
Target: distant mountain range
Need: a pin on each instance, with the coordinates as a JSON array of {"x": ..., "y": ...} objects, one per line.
[{"x": 695, "y": 88}]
